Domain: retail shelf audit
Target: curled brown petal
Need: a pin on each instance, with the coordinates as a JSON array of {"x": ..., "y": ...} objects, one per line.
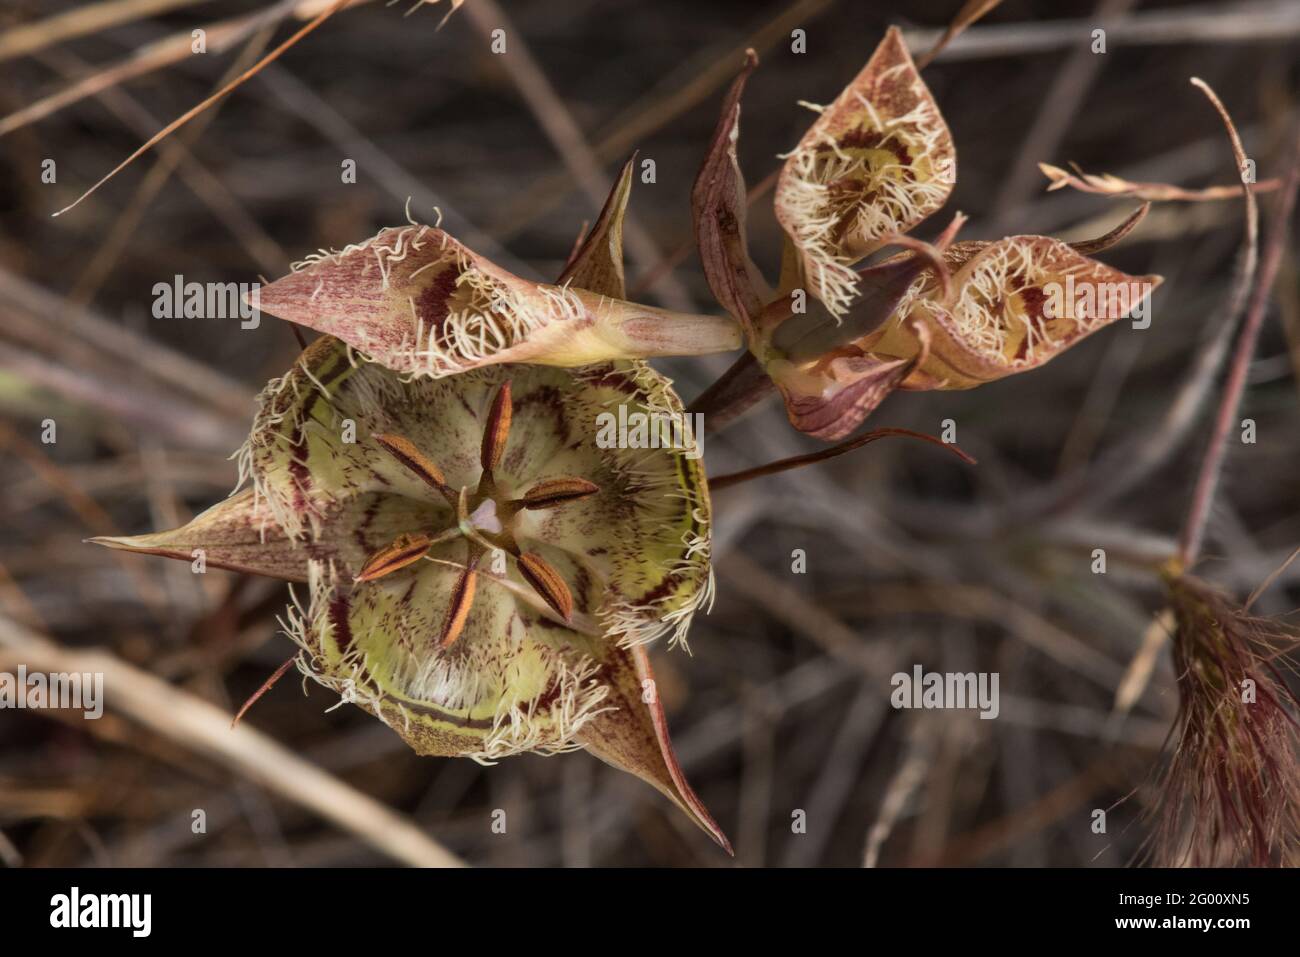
[
  {"x": 553, "y": 492},
  {"x": 597, "y": 260},
  {"x": 404, "y": 550},
  {"x": 883, "y": 286},
  {"x": 1091, "y": 246},
  {"x": 718, "y": 207},
  {"x": 933, "y": 253},
  {"x": 497, "y": 430},
  {"x": 831, "y": 417},
  {"x": 546, "y": 581}
]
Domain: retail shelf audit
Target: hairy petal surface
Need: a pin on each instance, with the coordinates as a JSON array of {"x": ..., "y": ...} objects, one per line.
[
  {"x": 876, "y": 162},
  {"x": 635, "y": 553},
  {"x": 1017, "y": 303},
  {"x": 415, "y": 300},
  {"x": 513, "y": 681},
  {"x": 517, "y": 683}
]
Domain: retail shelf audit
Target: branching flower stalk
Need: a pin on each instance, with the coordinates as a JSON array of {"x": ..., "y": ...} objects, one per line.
[{"x": 1225, "y": 417}]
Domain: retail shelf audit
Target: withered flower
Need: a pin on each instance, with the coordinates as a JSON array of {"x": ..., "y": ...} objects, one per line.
[
  {"x": 416, "y": 300},
  {"x": 874, "y": 164},
  {"x": 837, "y": 337},
  {"x": 1015, "y": 304},
  {"x": 481, "y": 574}
]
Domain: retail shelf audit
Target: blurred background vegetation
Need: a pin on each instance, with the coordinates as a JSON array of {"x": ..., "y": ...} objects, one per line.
[{"x": 911, "y": 556}]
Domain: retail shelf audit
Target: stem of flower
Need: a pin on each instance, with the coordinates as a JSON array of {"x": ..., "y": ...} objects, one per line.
[
  {"x": 738, "y": 390},
  {"x": 664, "y": 333},
  {"x": 812, "y": 458},
  {"x": 1193, "y": 534}
]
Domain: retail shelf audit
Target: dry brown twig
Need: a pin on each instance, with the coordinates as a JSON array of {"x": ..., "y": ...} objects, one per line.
[
  {"x": 1207, "y": 479},
  {"x": 1120, "y": 468},
  {"x": 225, "y": 91},
  {"x": 195, "y": 724},
  {"x": 705, "y": 73},
  {"x": 1106, "y": 184},
  {"x": 265, "y": 250},
  {"x": 1243, "y": 21},
  {"x": 26, "y": 39},
  {"x": 155, "y": 56},
  {"x": 202, "y": 182}
]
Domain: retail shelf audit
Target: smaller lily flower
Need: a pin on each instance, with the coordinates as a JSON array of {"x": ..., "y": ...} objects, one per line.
[
  {"x": 837, "y": 337},
  {"x": 875, "y": 163},
  {"x": 415, "y": 300},
  {"x": 1016, "y": 304}
]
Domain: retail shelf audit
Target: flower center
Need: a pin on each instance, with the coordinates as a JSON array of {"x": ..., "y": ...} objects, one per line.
[
  {"x": 485, "y": 517},
  {"x": 484, "y": 523}
]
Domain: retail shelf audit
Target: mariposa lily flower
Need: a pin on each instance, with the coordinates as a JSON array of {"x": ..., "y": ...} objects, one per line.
[
  {"x": 837, "y": 337},
  {"x": 483, "y": 574}
]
